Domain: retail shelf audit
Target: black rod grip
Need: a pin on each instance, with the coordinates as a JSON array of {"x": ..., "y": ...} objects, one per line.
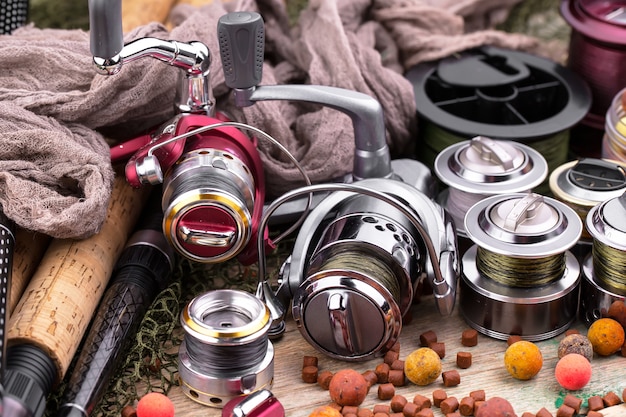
[
  {"x": 7, "y": 247},
  {"x": 241, "y": 38},
  {"x": 105, "y": 25}
]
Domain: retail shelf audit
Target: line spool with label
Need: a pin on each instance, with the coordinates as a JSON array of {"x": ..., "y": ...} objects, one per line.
[{"x": 500, "y": 94}]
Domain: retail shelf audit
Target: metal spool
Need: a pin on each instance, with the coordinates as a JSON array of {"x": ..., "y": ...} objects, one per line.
[
  {"x": 356, "y": 264},
  {"x": 208, "y": 202},
  {"x": 584, "y": 183},
  {"x": 519, "y": 277},
  {"x": 500, "y": 94},
  {"x": 226, "y": 352},
  {"x": 482, "y": 167},
  {"x": 604, "y": 269}
]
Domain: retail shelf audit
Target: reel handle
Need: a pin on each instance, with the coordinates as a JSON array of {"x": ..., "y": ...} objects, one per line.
[
  {"x": 242, "y": 48},
  {"x": 105, "y": 25}
]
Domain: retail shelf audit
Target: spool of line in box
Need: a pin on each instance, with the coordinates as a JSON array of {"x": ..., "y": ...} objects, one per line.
[
  {"x": 500, "y": 94},
  {"x": 597, "y": 52}
]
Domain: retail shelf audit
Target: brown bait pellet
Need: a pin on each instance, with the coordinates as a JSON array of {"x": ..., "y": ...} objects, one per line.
[
  {"x": 309, "y": 361},
  {"x": 425, "y": 412},
  {"x": 478, "y": 403},
  {"x": 396, "y": 347},
  {"x": 610, "y": 399},
  {"x": 390, "y": 357},
  {"x": 397, "y": 364},
  {"x": 565, "y": 411},
  {"x": 422, "y": 401},
  {"x": 397, "y": 403},
  {"x": 478, "y": 395},
  {"x": 543, "y": 413},
  {"x": 528, "y": 414},
  {"x": 386, "y": 391},
  {"x": 466, "y": 406},
  {"x": 348, "y": 414},
  {"x": 571, "y": 331},
  {"x": 129, "y": 411},
  {"x": 451, "y": 378},
  {"x": 454, "y": 414},
  {"x": 512, "y": 339},
  {"x": 595, "y": 403},
  {"x": 594, "y": 414},
  {"x": 309, "y": 374},
  {"x": 469, "y": 338},
  {"x": 371, "y": 377},
  {"x": 573, "y": 401},
  {"x": 364, "y": 412},
  {"x": 440, "y": 348},
  {"x": 323, "y": 379},
  {"x": 381, "y": 408},
  {"x": 449, "y": 405},
  {"x": 396, "y": 377},
  {"x": 349, "y": 409},
  {"x": 427, "y": 338},
  {"x": 410, "y": 409},
  {"x": 438, "y": 396},
  {"x": 396, "y": 415},
  {"x": 624, "y": 394},
  {"x": 381, "y": 414},
  {"x": 463, "y": 360},
  {"x": 382, "y": 372}
]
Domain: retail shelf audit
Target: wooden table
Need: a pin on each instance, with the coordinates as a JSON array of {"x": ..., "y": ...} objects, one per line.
[{"x": 487, "y": 371}]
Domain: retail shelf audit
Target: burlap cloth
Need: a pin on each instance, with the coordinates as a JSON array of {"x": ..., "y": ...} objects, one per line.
[{"x": 55, "y": 173}]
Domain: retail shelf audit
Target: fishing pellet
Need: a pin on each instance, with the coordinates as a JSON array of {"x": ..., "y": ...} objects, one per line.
[
  {"x": 610, "y": 399},
  {"x": 323, "y": 379},
  {"x": 390, "y": 357},
  {"x": 381, "y": 408},
  {"x": 397, "y": 377},
  {"x": 463, "y": 360},
  {"x": 382, "y": 372},
  {"x": 573, "y": 401},
  {"x": 425, "y": 412},
  {"x": 427, "y": 338},
  {"x": 309, "y": 374},
  {"x": 449, "y": 405},
  {"x": 422, "y": 401},
  {"x": 371, "y": 377},
  {"x": 544, "y": 413},
  {"x": 466, "y": 406},
  {"x": 469, "y": 338},
  {"x": 595, "y": 403},
  {"x": 438, "y": 396},
  {"x": 410, "y": 409},
  {"x": 386, "y": 391},
  {"x": 309, "y": 361},
  {"x": 439, "y": 348},
  {"x": 565, "y": 411},
  {"x": 451, "y": 378},
  {"x": 478, "y": 395},
  {"x": 397, "y": 403}
]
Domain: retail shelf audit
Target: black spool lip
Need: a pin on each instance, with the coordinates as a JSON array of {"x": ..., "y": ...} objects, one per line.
[
  {"x": 587, "y": 20},
  {"x": 575, "y": 107}
]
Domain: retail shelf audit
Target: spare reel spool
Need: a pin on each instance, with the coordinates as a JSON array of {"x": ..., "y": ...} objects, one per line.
[
  {"x": 519, "y": 277},
  {"x": 583, "y": 184},
  {"x": 482, "y": 167},
  {"x": 500, "y": 94},
  {"x": 604, "y": 269}
]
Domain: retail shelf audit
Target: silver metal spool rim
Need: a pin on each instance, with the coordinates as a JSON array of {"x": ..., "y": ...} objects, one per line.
[
  {"x": 564, "y": 190},
  {"x": 557, "y": 244},
  {"x": 603, "y": 231},
  {"x": 194, "y": 313},
  {"x": 511, "y": 182},
  {"x": 215, "y": 390}
]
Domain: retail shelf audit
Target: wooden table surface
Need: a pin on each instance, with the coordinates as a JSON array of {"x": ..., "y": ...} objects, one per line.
[{"x": 487, "y": 371}]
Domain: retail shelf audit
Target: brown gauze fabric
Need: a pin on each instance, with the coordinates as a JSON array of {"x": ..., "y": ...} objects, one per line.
[{"x": 55, "y": 110}]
